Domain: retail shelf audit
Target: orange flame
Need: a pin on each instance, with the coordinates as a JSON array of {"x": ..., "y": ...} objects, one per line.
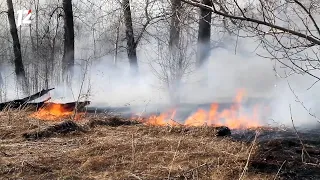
[
  {"x": 232, "y": 117},
  {"x": 55, "y": 112}
]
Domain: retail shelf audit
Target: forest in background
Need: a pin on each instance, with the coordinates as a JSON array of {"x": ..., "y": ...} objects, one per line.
[
  {"x": 69, "y": 41},
  {"x": 101, "y": 29}
]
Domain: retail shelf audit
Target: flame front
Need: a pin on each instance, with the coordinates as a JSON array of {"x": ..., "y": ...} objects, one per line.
[
  {"x": 231, "y": 117},
  {"x": 54, "y": 112}
]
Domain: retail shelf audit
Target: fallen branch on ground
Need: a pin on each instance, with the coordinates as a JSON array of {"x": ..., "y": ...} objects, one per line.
[{"x": 20, "y": 103}]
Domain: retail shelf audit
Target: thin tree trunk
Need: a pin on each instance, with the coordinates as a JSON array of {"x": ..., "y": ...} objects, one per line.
[
  {"x": 94, "y": 43},
  {"x": 37, "y": 67},
  {"x": 175, "y": 53},
  {"x": 131, "y": 45},
  {"x": 52, "y": 53},
  {"x": 19, "y": 68},
  {"x": 175, "y": 26},
  {"x": 1, "y": 87},
  {"x": 68, "y": 55},
  {"x": 204, "y": 34},
  {"x": 117, "y": 44},
  {"x": 1, "y": 80}
]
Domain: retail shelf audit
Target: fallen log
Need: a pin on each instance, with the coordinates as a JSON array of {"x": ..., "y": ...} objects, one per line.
[
  {"x": 35, "y": 106},
  {"x": 19, "y": 103},
  {"x": 76, "y": 105},
  {"x": 109, "y": 109},
  {"x": 67, "y": 107},
  {"x": 34, "y": 96}
]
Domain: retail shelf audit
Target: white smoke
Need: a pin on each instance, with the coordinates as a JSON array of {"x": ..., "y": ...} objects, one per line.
[{"x": 226, "y": 71}]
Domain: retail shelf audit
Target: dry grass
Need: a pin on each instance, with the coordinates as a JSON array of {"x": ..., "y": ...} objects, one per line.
[{"x": 123, "y": 152}]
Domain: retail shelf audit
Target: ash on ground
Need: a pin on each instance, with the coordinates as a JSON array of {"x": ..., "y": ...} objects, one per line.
[{"x": 294, "y": 154}]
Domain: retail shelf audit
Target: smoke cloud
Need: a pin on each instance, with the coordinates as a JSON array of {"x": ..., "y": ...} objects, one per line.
[{"x": 226, "y": 71}]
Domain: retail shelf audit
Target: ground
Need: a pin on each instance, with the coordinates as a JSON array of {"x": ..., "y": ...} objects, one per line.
[{"x": 131, "y": 151}]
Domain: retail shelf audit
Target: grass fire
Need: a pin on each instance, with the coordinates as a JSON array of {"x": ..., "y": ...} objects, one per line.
[
  {"x": 58, "y": 111},
  {"x": 232, "y": 117},
  {"x": 152, "y": 89},
  {"x": 95, "y": 143}
]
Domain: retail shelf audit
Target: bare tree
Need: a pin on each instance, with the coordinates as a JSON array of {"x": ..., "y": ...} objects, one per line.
[
  {"x": 287, "y": 30},
  {"x": 131, "y": 44},
  {"x": 175, "y": 56},
  {"x": 204, "y": 33},
  {"x": 175, "y": 26},
  {"x": 68, "y": 55},
  {"x": 175, "y": 51},
  {"x": 19, "y": 67}
]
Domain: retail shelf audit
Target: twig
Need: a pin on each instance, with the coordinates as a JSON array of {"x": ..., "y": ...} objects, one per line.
[
  {"x": 51, "y": 14},
  {"x": 174, "y": 157},
  {"x": 303, "y": 147},
  {"x": 3, "y": 12},
  {"x": 279, "y": 169},
  {"x": 175, "y": 122},
  {"x": 249, "y": 156},
  {"x": 193, "y": 169},
  {"x": 301, "y": 103},
  {"x": 144, "y": 110},
  {"x": 252, "y": 20},
  {"x": 135, "y": 176},
  {"x": 133, "y": 150}
]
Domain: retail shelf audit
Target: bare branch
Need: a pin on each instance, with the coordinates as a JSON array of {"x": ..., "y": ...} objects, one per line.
[
  {"x": 302, "y": 144},
  {"x": 257, "y": 21},
  {"x": 2, "y": 12},
  {"x": 309, "y": 14}
]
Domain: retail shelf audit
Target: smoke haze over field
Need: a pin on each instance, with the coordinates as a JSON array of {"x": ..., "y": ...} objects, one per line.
[
  {"x": 233, "y": 67},
  {"x": 227, "y": 72}
]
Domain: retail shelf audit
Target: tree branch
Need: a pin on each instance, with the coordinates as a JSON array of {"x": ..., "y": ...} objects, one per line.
[
  {"x": 3, "y": 12},
  {"x": 214, "y": 10},
  {"x": 309, "y": 14}
]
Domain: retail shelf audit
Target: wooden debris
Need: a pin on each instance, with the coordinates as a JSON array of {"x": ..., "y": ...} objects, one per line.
[{"x": 21, "y": 103}]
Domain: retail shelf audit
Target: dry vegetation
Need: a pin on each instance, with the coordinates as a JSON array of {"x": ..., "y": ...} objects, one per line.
[{"x": 121, "y": 152}]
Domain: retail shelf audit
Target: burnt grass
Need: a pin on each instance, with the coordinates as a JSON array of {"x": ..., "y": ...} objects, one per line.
[
  {"x": 104, "y": 147},
  {"x": 297, "y": 155}
]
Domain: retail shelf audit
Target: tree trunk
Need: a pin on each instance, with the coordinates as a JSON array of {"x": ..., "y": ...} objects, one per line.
[
  {"x": 19, "y": 68},
  {"x": 68, "y": 55},
  {"x": 204, "y": 34},
  {"x": 117, "y": 44},
  {"x": 175, "y": 26},
  {"x": 175, "y": 53},
  {"x": 131, "y": 45},
  {"x": 1, "y": 80}
]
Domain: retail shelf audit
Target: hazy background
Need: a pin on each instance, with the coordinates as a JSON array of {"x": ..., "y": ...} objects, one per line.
[{"x": 229, "y": 68}]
